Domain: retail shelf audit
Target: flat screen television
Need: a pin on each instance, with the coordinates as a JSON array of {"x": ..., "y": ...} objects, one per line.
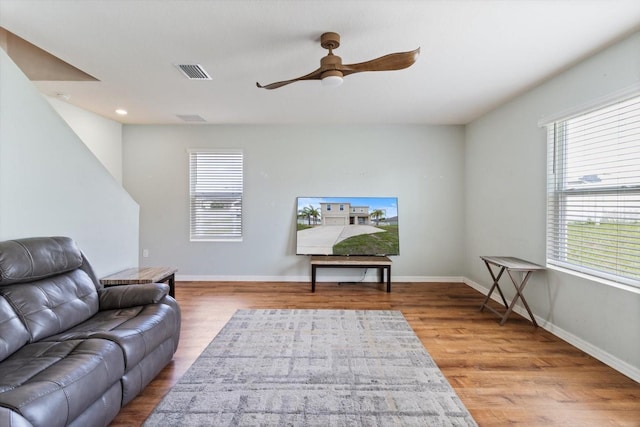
[{"x": 347, "y": 226}]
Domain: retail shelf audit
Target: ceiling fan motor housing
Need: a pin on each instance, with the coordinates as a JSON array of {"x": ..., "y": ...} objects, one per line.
[{"x": 331, "y": 65}]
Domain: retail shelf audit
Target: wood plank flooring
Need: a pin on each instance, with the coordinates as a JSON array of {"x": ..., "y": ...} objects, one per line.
[{"x": 505, "y": 375}]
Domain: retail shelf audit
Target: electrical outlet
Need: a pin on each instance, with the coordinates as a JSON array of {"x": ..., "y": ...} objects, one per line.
[{"x": 145, "y": 253}]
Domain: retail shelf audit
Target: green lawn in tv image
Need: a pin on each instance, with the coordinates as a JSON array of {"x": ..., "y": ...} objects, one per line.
[
  {"x": 347, "y": 226},
  {"x": 378, "y": 243}
]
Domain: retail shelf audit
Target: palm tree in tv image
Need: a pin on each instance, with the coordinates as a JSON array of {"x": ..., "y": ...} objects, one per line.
[
  {"x": 377, "y": 215},
  {"x": 309, "y": 213}
]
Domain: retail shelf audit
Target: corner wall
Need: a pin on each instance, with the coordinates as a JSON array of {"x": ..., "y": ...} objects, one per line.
[
  {"x": 51, "y": 184},
  {"x": 101, "y": 135},
  {"x": 505, "y": 197}
]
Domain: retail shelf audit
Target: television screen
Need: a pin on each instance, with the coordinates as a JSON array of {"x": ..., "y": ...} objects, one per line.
[{"x": 347, "y": 226}]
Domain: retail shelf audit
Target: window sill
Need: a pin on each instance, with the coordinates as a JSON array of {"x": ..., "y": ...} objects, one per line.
[
  {"x": 216, "y": 240},
  {"x": 621, "y": 286}
]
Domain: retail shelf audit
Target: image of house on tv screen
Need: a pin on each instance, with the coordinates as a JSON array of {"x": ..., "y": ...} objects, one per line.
[{"x": 347, "y": 226}]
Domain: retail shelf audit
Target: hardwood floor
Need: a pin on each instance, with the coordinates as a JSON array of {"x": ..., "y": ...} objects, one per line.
[{"x": 511, "y": 374}]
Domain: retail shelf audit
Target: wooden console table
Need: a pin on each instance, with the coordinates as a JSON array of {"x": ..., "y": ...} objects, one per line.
[
  {"x": 382, "y": 263},
  {"x": 510, "y": 264},
  {"x": 135, "y": 276}
]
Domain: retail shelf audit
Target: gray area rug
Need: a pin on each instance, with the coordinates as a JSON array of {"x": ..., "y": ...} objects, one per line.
[{"x": 313, "y": 368}]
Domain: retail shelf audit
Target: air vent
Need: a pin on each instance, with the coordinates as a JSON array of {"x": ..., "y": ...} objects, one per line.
[
  {"x": 191, "y": 118},
  {"x": 194, "y": 71}
]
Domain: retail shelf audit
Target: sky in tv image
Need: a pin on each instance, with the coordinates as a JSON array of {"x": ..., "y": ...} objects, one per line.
[{"x": 387, "y": 204}]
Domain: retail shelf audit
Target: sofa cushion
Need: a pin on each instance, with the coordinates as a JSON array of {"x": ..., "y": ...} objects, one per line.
[
  {"x": 52, "y": 383},
  {"x": 138, "y": 330},
  {"x": 36, "y": 258},
  {"x": 55, "y": 304},
  {"x": 13, "y": 333},
  {"x": 102, "y": 411}
]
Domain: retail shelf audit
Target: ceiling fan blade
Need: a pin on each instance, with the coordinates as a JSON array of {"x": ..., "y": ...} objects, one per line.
[
  {"x": 393, "y": 61},
  {"x": 314, "y": 75}
]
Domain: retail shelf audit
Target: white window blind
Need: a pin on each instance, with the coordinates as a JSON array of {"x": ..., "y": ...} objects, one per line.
[
  {"x": 593, "y": 193},
  {"x": 215, "y": 181}
]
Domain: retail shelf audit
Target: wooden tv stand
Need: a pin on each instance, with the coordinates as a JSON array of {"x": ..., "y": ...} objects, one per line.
[{"x": 380, "y": 262}]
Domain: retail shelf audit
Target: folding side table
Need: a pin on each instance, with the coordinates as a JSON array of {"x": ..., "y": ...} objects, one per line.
[{"x": 511, "y": 265}]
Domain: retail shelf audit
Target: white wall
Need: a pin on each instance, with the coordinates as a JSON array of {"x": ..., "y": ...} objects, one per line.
[
  {"x": 421, "y": 165},
  {"x": 51, "y": 184},
  {"x": 103, "y": 136},
  {"x": 505, "y": 187}
]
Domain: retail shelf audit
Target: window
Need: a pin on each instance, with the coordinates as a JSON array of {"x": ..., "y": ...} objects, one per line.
[
  {"x": 593, "y": 192},
  {"x": 215, "y": 181}
]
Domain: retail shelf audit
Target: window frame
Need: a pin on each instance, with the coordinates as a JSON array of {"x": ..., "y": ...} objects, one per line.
[
  {"x": 228, "y": 197},
  {"x": 560, "y": 191}
]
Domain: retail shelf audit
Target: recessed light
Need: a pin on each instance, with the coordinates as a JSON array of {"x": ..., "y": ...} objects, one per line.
[{"x": 121, "y": 112}]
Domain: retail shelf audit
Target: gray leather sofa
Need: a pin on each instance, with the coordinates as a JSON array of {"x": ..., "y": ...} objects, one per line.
[{"x": 71, "y": 351}]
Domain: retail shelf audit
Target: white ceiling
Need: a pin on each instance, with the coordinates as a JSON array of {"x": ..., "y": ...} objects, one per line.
[{"x": 474, "y": 54}]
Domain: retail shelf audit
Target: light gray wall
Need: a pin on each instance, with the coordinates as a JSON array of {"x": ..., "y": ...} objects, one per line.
[
  {"x": 505, "y": 187},
  {"x": 103, "y": 136},
  {"x": 421, "y": 165},
  {"x": 51, "y": 184}
]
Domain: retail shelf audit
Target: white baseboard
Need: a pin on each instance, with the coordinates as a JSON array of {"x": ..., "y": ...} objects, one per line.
[
  {"x": 427, "y": 279},
  {"x": 603, "y": 356},
  {"x": 211, "y": 278},
  {"x": 319, "y": 279}
]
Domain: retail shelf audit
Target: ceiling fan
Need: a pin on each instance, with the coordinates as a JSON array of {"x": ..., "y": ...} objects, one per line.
[{"x": 332, "y": 70}]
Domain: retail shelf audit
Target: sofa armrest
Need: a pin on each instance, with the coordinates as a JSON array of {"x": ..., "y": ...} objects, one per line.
[
  {"x": 12, "y": 418},
  {"x": 124, "y": 296}
]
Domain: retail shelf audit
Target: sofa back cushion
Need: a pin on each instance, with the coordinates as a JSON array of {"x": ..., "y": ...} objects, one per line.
[
  {"x": 42, "y": 280},
  {"x": 13, "y": 333},
  {"x": 53, "y": 305},
  {"x": 25, "y": 260}
]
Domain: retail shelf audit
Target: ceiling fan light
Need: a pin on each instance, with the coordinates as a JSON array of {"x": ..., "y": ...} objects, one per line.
[{"x": 332, "y": 78}]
